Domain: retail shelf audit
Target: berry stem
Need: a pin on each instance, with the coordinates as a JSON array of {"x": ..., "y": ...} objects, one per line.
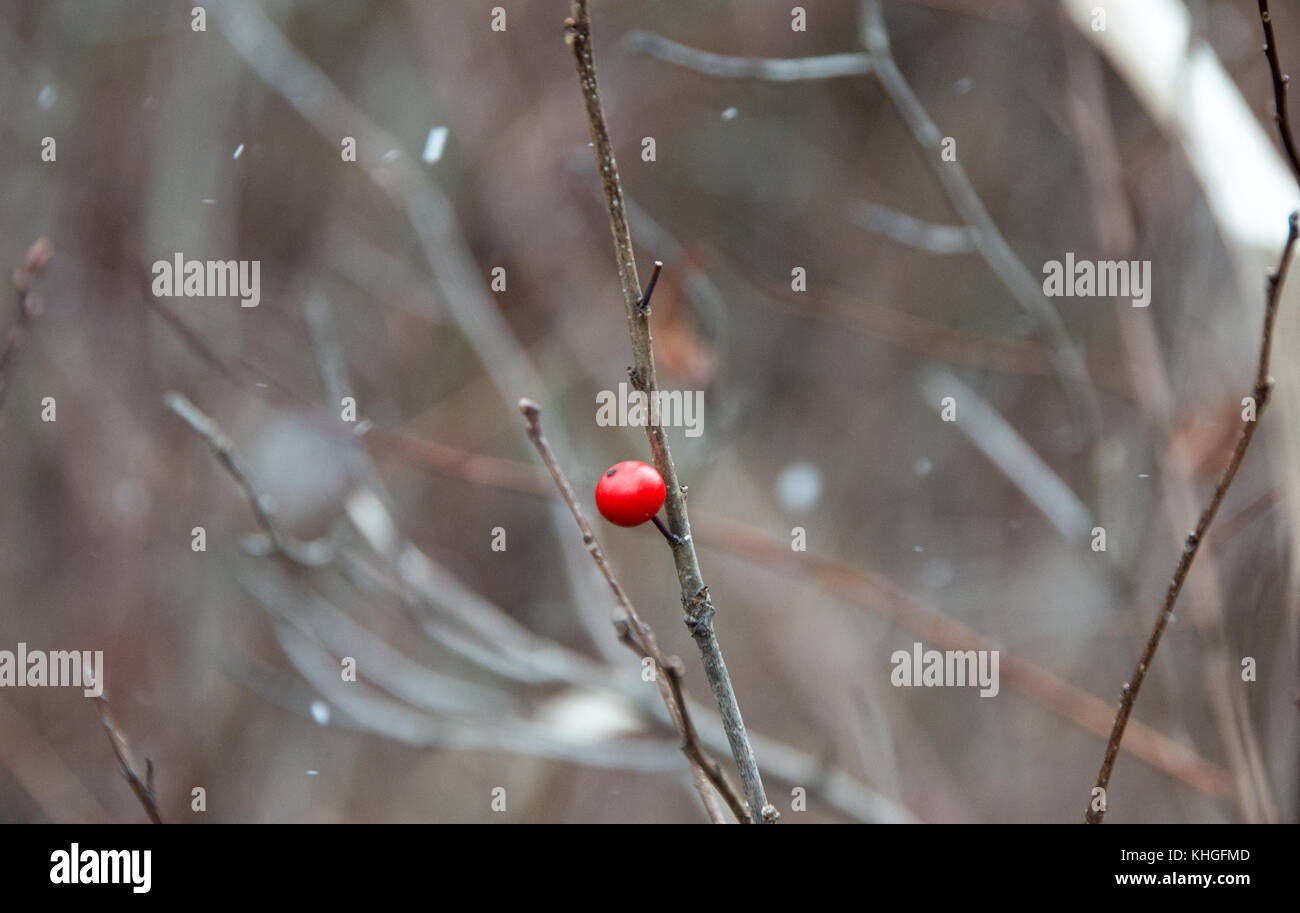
[
  {"x": 689, "y": 575},
  {"x": 672, "y": 540}
]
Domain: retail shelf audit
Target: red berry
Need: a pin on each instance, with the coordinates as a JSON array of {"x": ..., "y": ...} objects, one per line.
[{"x": 630, "y": 493}]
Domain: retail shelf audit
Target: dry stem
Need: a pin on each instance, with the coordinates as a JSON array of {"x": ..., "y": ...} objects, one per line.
[
  {"x": 636, "y": 633},
  {"x": 695, "y": 595},
  {"x": 1263, "y": 390},
  {"x": 1279, "y": 90},
  {"x": 143, "y": 787}
]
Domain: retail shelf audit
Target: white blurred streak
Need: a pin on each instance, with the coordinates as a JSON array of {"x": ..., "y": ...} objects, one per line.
[
  {"x": 584, "y": 717},
  {"x": 364, "y": 708},
  {"x": 1185, "y": 89}
]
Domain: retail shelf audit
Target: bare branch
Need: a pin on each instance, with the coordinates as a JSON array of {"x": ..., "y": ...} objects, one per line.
[
  {"x": 1263, "y": 390},
  {"x": 635, "y": 632},
  {"x": 1279, "y": 90},
  {"x": 143, "y": 787},
  {"x": 878, "y": 594},
  {"x": 695, "y": 595}
]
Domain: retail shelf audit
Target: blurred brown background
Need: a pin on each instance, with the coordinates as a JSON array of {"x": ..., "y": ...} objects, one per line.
[{"x": 481, "y": 669}]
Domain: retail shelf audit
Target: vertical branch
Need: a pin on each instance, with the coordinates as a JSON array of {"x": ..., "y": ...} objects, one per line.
[
  {"x": 637, "y": 634},
  {"x": 1279, "y": 90},
  {"x": 1263, "y": 391},
  {"x": 695, "y": 595}
]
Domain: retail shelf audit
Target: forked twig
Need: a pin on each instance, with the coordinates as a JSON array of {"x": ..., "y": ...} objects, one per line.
[
  {"x": 636, "y": 633},
  {"x": 143, "y": 787},
  {"x": 1263, "y": 391},
  {"x": 695, "y": 595}
]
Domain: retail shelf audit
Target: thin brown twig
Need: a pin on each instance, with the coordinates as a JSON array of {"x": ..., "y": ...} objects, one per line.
[
  {"x": 1263, "y": 391},
  {"x": 694, "y": 594},
  {"x": 1149, "y": 386},
  {"x": 143, "y": 787},
  {"x": 1280, "y": 81},
  {"x": 38, "y": 255},
  {"x": 635, "y": 632}
]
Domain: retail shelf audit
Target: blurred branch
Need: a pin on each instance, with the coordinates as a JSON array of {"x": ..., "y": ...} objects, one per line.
[
  {"x": 1279, "y": 91},
  {"x": 502, "y": 646},
  {"x": 995, "y": 437},
  {"x": 695, "y": 595},
  {"x": 636, "y": 633},
  {"x": 880, "y": 595},
  {"x": 478, "y": 469},
  {"x": 987, "y": 239},
  {"x": 1149, "y": 385},
  {"x": 992, "y": 246},
  {"x": 934, "y": 239},
  {"x": 871, "y": 590},
  {"x": 237, "y": 371},
  {"x": 459, "y": 281},
  {"x": 1262, "y": 392},
  {"x": 29, "y": 308},
  {"x": 143, "y": 787},
  {"x": 361, "y": 707},
  {"x": 457, "y": 277},
  {"x": 829, "y": 66},
  {"x": 315, "y": 553},
  {"x": 930, "y": 338}
]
